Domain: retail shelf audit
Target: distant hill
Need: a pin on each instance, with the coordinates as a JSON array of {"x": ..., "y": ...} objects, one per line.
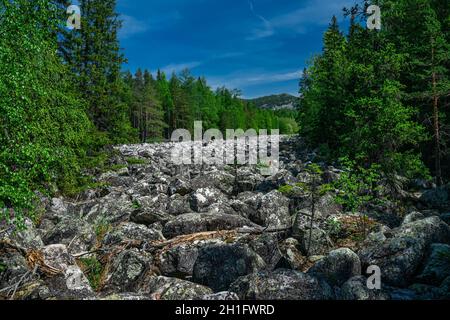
[{"x": 275, "y": 102}]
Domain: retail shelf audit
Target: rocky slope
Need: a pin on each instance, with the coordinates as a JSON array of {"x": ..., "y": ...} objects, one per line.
[{"x": 159, "y": 231}]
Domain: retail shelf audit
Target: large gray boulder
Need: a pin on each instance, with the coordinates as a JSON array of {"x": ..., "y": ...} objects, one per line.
[
  {"x": 221, "y": 180},
  {"x": 151, "y": 209},
  {"x": 164, "y": 288},
  {"x": 179, "y": 260},
  {"x": 356, "y": 289},
  {"x": 339, "y": 266},
  {"x": 217, "y": 266},
  {"x": 430, "y": 230},
  {"x": 29, "y": 238},
  {"x": 130, "y": 231},
  {"x": 127, "y": 270},
  {"x": 270, "y": 210},
  {"x": 435, "y": 198},
  {"x": 199, "y": 222},
  {"x": 398, "y": 259},
  {"x": 281, "y": 285},
  {"x": 69, "y": 283},
  {"x": 203, "y": 198},
  {"x": 78, "y": 234},
  {"x": 437, "y": 265}
]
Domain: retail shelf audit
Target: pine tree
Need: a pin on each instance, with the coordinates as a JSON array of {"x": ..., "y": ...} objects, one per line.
[
  {"x": 93, "y": 53},
  {"x": 165, "y": 96}
]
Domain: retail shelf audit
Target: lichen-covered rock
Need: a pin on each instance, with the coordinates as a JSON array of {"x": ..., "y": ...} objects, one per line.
[
  {"x": 220, "y": 296},
  {"x": 217, "y": 266},
  {"x": 178, "y": 205},
  {"x": 266, "y": 246},
  {"x": 291, "y": 257},
  {"x": 203, "y": 198},
  {"x": 78, "y": 234},
  {"x": 29, "y": 238},
  {"x": 70, "y": 283},
  {"x": 315, "y": 243},
  {"x": 437, "y": 265},
  {"x": 180, "y": 187},
  {"x": 126, "y": 297},
  {"x": 273, "y": 211},
  {"x": 398, "y": 259},
  {"x": 339, "y": 266},
  {"x": 151, "y": 209},
  {"x": 179, "y": 260},
  {"x": 220, "y": 180},
  {"x": 281, "y": 285},
  {"x": 126, "y": 270},
  {"x": 356, "y": 289},
  {"x": 131, "y": 231},
  {"x": 435, "y": 198},
  {"x": 198, "y": 222},
  {"x": 13, "y": 266},
  {"x": 430, "y": 230},
  {"x": 412, "y": 217},
  {"x": 164, "y": 288}
]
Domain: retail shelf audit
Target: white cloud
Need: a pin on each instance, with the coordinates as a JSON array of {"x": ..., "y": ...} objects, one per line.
[
  {"x": 131, "y": 26},
  {"x": 316, "y": 13},
  {"x": 177, "y": 67}
]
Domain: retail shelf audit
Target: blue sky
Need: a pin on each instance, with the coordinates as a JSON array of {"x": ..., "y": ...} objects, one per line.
[{"x": 258, "y": 46}]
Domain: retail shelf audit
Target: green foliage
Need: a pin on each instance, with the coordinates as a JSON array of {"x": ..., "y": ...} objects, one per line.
[
  {"x": 358, "y": 186},
  {"x": 42, "y": 119},
  {"x": 102, "y": 227},
  {"x": 368, "y": 96},
  {"x": 3, "y": 267},
  {"x": 136, "y": 161},
  {"x": 93, "y": 269}
]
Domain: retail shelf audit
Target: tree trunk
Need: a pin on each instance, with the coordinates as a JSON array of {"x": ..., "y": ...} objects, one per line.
[{"x": 436, "y": 126}]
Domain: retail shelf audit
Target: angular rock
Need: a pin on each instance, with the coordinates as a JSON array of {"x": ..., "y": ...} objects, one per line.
[
  {"x": 27, "y": 239},
  {"x": 339, "y": 266},
  {"x": 79, "y": 235},
  {"x": 430, "y": 230},
  {"x": 435, "y": 198},
  {"x": 291, "y": 255},
  {"x": 216, "y": 179},
  {"x": 437, "y": 265},
  {"x": 199, "y": 222},
  {"x": 398, "y": 259},
  {"x": 320, "y": 243},
  {"x": 281, "y": 285},
  {"x": 131, "y": 231},
  {"x": 217, "y": 266},
  {"x": 412, "y": 217},
  {"x": 273, "y": 211},
  {"x": 70, "y": 283},
  {"x": 266, "y": 246},
  {"x": 203, "y": 198},
  {"x": 164, "y": 288},
  {"x": 356, "y": 289},
  {"x": 178, "y": 205},
  {"x": 126, "y": 270},
  {"x": 179, "y": 186},
  {"x": 220, "y": 296}
]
